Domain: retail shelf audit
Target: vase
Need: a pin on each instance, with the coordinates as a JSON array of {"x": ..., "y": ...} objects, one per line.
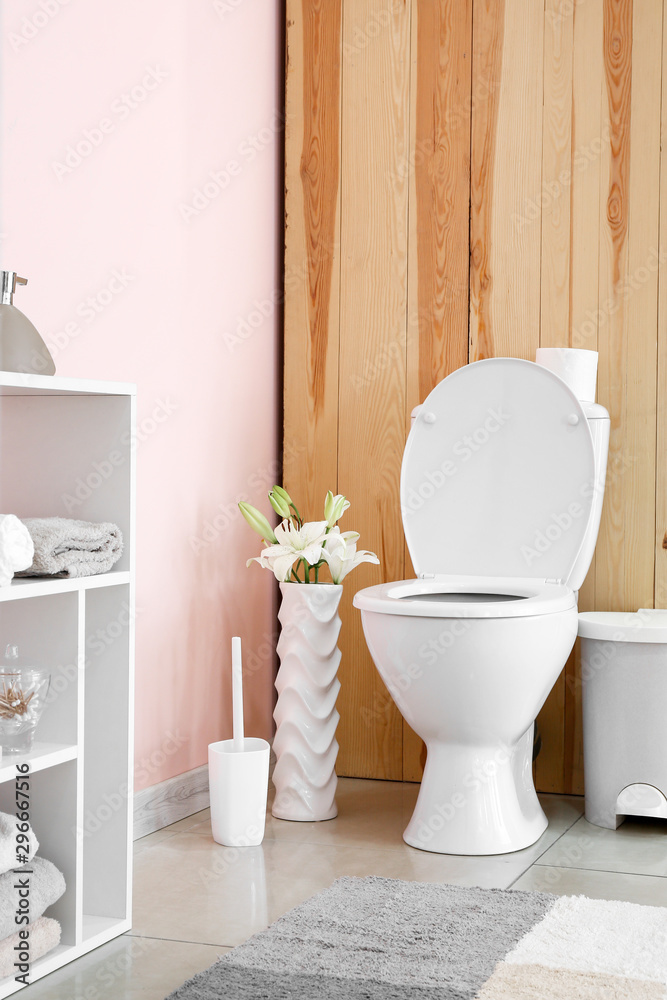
[{"x": 306, "y": 717}]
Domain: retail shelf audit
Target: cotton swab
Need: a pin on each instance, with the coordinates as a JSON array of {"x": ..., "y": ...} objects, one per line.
[{"x": 237, "y": 694}]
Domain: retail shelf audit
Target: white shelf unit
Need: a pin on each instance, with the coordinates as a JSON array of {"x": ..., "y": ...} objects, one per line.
[{"x": 67, "y": 449}]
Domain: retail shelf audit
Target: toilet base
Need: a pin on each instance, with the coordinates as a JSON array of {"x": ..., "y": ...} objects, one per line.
[{"x": 477, "y": 800}]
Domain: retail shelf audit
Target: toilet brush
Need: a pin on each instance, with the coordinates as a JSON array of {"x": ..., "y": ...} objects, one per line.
[
  {"x": 237, "y": 695},
  {"x": 238, "y": 775}
]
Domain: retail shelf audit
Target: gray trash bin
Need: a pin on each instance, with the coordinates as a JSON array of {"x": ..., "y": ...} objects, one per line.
[{"x": 624, "y": 677}]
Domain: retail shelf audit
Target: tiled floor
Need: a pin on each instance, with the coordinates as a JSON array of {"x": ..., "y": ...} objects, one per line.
[{"x": 194, "y": 900}]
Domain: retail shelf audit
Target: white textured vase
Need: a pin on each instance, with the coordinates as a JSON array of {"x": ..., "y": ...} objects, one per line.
[{"x": 305, "y": 714}]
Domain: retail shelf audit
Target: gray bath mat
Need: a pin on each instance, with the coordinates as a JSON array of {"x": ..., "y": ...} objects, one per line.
[{"x": 381, "y": 939}]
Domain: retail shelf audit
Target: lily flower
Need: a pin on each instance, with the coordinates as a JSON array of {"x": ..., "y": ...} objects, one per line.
[
  {"x": 291, "y": 545},
  {"x": 257, "y": 521},
  {"x": 334, "y": 507},
  {"x": 340, "y": 552}
]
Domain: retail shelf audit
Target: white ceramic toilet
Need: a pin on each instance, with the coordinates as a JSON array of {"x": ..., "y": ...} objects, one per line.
[{"x": 502, "y": 485}]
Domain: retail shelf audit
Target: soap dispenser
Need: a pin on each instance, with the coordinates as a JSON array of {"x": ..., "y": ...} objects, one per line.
[{"x": 21, "y": 347}]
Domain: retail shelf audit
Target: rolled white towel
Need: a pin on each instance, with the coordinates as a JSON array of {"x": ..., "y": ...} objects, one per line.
[
  {"x": 43, "y": 937},
  {"x": 12, "y": 851},
  {"x": 16, "y": 547},
  {"x": 44, "y": 883}
]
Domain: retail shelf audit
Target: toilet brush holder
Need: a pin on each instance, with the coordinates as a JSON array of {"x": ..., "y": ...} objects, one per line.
[{"x": 238, "y": 787}]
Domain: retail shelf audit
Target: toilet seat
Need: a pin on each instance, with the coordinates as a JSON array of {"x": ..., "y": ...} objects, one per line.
[
  {"x": 498, "y": 475},
  {"x": 526, "y": 597}
]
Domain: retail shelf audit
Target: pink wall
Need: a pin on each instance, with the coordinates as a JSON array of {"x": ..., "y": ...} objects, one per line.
[{"x": 114, "y": 113}]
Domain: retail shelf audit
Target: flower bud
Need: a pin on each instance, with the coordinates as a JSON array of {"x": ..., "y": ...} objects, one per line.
[
  {"x": 257, "y": 521},
  {"x": 279, "y": 504}
]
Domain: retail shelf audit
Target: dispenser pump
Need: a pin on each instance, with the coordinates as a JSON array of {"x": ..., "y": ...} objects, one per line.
[
  {"x": 8, "y": 282},
  {"x": 21, "y": 347}
]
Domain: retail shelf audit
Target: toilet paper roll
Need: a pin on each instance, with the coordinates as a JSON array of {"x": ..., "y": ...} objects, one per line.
[{"x": 576, "y": 367}]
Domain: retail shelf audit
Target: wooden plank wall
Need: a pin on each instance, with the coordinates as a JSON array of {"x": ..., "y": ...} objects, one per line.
[{"x": 466, "y": 179}]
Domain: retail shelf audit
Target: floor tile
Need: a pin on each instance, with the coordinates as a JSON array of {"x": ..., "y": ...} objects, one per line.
[
  {"x": 129, "y": 968},
  {"x": 649, "y": 890},
  {"x": 638, "y": 847},
  {"x": 190, "y": 888},
  {"x": 370, "y": 814},
  {"x": 375, "y": 813},
  {"x": 181, "y": 826}
]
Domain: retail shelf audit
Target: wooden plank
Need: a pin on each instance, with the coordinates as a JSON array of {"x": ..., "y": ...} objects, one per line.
[
  {"x": 312, "y": 250},
  {"x": 487, "y": 63},
  {"x": 506, "y": 179},
  {"x": 588, "y": 90},
  {"x": 439, "y": 247},
  {"x": 640, "y": 416},
  {"x": 613, "y": 269},
  {"x": 440, "y": 192},
  {"x": 373, "y": 306},
  {"x": 556, "y": 174},
  {"x": 661, "y": 450}
]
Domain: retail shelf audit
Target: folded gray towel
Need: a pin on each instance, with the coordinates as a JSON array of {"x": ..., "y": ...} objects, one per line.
[
  {"x": 44, "y": 885},
  {"x": 44, "y": 937},
  {"x": 64, "y": 547},
  {"x": 13, "y": 852}
]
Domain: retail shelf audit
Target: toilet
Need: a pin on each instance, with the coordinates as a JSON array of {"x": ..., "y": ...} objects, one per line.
[{"x": 502, "y": 483}]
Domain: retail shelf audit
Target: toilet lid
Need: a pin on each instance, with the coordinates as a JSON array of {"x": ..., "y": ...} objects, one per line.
[{"x": 498, "y": 475}]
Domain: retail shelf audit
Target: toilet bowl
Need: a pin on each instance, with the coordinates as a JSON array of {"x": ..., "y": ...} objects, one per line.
[{"x": 501, "y": 495}]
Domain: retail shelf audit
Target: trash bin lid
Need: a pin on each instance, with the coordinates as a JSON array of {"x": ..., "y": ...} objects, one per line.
[{"x": 645, "y": 625}]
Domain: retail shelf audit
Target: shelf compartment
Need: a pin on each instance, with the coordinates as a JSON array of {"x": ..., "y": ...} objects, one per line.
[
  {"x": 53, "y": 818},
  {"x": 107, "y": 782},
  {"x": 46, "y": 630},
  {"x": 68, "y": 456}
]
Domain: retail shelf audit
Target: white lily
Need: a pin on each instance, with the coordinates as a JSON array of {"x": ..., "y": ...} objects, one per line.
[
  {"x": 335, "y": 507},
  {"x": 340, "y": 552},
  {"x": 291, "y": 545}
]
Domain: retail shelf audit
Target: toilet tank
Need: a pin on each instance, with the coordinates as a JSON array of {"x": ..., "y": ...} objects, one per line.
[{"x": 599, "y": 423}]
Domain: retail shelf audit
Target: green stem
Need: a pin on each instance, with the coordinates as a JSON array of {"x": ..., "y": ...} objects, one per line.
[{"x": 317, "y": 572}]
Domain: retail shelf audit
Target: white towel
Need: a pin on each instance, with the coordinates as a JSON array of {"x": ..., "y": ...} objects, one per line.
[
  {"x": 64, "y": 547},
  {"x": 16, "y": 547},
  {"x": 44, "y": 936},
  {"x": 44, "y": 883},
  {"x": 12, "y": 851}
]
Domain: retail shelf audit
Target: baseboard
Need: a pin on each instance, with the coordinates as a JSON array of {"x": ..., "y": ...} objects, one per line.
[
  {"x": 170, "y": 800},
  {"x": 165, "y": 803}
]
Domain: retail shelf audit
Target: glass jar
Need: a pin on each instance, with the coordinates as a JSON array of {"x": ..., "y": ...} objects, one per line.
[{"x": 23, "y": 691}]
